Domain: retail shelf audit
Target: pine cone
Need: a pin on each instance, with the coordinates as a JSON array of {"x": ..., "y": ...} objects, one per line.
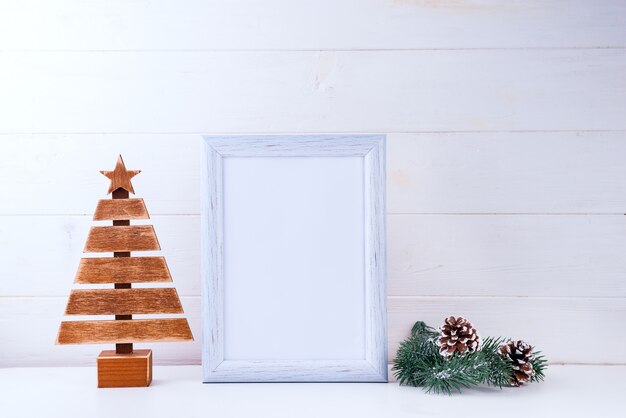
[
  {"x": 520, "y": 353},
  {"x": 458, "y": 336}
]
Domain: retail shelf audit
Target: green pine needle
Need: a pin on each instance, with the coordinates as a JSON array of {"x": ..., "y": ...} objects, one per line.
[
  {"x": 418, "y": 363},
  {"x": 540, "y": 364},
  {"x": 421, "y": 330}
]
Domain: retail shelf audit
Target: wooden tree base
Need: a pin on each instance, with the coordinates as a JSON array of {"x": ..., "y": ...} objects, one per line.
[{"x": 124, "y": 370}]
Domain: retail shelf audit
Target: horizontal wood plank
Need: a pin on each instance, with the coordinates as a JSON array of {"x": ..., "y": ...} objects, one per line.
[
  {"x": 311, "y": 24},
  {"x": 61, "y": 239},
  {"x": 123, "y": 301},
  {"x": 121, "y": 238},
  {"x": 122, "y": 270},
  {"x": 545, "y": 323},
  {"x": 533, "y": 319},
  {"x": 437, "y": 255},
  {"x": 314, "y": 92},
  {"x": 90, "y": 153},
  {"x": 43, "y": 316},
  {"x": 504, "y": 172},
  {"x": 129, "y": 331},
  {"x": 504, "y": 255},
  {"x": 120, "y": 209},
  {"x": 559, "y": 172}
]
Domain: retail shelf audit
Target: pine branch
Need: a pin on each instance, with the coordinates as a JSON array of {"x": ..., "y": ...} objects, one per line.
[
  {"x": 450, "y": 375},
  {"x": 540, "y": 364},
  {"x": 498, "y": 368},
  {"x": 414, "y": 354},
  {"x": 421, "y": 330},
  {"x": 418, "y": 363}
]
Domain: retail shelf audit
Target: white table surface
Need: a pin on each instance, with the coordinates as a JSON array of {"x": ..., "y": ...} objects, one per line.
[{"x": 177, "y": 391}]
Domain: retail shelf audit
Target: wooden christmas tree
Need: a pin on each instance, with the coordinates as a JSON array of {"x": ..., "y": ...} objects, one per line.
[{"x": 123, "y": 366}]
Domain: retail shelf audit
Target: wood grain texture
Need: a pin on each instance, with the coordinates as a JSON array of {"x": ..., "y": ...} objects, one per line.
[
  {"x": 375, "y": 247},
  {"x": 475, "y": 214},
  {"x": 123, "y": 301},
  {"x": 61, "y": 240},
  {"x": 136, "y": 330},
  {"x": 314, "y": 92},
  {"x": 543, "y": 322},
  {"x": 507, "y": 173},
  {"x": 530, "y": 318},
  {"x": 483, "y": 172},
  {"x": 121, "y": 238},
  {"x": 428, "y": 255},
  {"x": 95, "y": 151},
  {"x": 212, "y": 264},
  {"x": 483, "y": 255},
  {"x": 120, "y": 186},
  {"x": 218, "y": 369},
  {"x": 347, "y": 24},
  {"x": 124, "y": 370},
  {"x": 292, "y": 145},
  {"x": 43, "y": 316},
  {"x": 296, "y": 371},
  {"x": 117, "y": 209},
  {"x": 121, "y": 179},
  {"x": 122, "y": 270}
]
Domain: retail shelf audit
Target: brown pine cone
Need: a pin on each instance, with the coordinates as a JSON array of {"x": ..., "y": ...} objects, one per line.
[
  {"x": 520, "y": 353},
  {"x": 458, "y": 336}
]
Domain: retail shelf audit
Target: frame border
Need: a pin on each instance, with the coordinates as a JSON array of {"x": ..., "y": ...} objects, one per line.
[{"x": 374, "y": 367}]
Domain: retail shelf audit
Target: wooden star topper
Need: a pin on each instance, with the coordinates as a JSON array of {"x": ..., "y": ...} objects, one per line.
[{"x": 120, "y": 177}]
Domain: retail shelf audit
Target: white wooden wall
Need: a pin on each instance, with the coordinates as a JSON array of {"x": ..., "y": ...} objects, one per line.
[{"x": 506, "y": 124}]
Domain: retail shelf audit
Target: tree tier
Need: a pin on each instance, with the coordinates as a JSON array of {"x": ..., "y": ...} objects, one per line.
[
  {"x": 120, "y": 209},
  {"x": 136, "y": 330},
  {"x": 121, "y": 238},
  {"x": 123, "y": 301},
  {"x": 122, "y": 270}
]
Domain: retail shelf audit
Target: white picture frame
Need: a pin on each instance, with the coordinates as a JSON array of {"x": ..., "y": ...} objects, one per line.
[{"x": 294, "y": 259}]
